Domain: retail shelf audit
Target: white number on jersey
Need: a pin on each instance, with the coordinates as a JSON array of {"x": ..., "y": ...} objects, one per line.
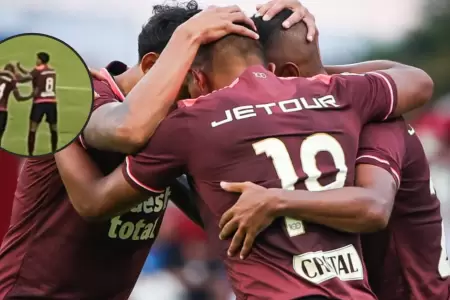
[
  {"x": 2, "y": 89},
  {"x": 310, "y": 147},
  {"x": 49, "y": 87}
]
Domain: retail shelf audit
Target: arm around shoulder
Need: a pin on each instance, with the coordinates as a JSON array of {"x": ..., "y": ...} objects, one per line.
[
  {"x": 414, "y": 87},
  {"x": 107, "y": 130}
]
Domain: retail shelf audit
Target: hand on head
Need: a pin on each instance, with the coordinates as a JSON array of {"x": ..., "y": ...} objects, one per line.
[
  {"x": 214, "y": 23},
  {"x": 300, "y": 14}
]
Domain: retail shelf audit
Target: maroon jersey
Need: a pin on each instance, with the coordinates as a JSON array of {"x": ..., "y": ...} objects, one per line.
[
  {"x": 412, "y": 249},
  {"x": 7, "y": 85},
  {"x": 8, "y": 180},
  {"x": 44, "y": 84},
  {"x": 50, "y": 252},
  {"x": 291, "y": 133}
]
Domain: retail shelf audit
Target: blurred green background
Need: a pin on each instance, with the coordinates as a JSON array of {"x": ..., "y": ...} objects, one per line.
[
  {"x": 426, "y": 47},
  {"x": 73, "y": 92}
]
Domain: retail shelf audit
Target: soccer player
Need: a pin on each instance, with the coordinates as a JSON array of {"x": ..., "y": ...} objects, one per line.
[
  {"x": 407, "y": 260},
  {"x": 248, "y": 124},
  {"x": 50, "y": 252},
  {"x": 8, "y": 85},
  {"x": 43, "y": 79}
]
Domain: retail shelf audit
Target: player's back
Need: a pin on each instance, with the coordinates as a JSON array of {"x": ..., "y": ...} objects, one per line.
[
  {"x": 7, "y": 85},
  {"x": 414, "y": 260},
  {"x": 44, "y": 84},
  {"x": 51, "y": 252},
  {"x": 300, "y": 133}
]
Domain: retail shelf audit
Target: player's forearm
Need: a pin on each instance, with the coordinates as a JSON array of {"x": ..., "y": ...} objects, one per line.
[
  {"x": 349, "y": 209},
  {"x": 80, "y": 177},
  {"x": 22, "y": 69},
  {"x": 363, "y": 67},
  {"x": 151, "y": 99},
  {"x": 24, "y": 79},
  {"x": 102, "y": 130},
  {"x": 414, "y": 86},
  {"x": 19, "y": 97}
]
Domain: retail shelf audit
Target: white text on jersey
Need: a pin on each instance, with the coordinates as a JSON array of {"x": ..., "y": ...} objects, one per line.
[
  {"x": 142, "y": 229},
  {"x": 285, "y": 106},
  {"x": 343, "y": 263}
]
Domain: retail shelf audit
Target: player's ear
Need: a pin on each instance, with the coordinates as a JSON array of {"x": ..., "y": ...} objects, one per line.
[
  {"x": 201, "y": 81},
  {"x": 289, "y": 69},
  {"x": 148, "y": 61},
  {"x": 272, "y": 67},
  {"x": 197, "y": 84}
]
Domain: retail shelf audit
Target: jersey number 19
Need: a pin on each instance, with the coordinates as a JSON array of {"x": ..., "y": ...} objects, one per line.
[{"x": 309, "y": 149}]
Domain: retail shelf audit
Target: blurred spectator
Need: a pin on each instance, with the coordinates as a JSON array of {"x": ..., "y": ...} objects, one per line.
[{"x": 181, "y": 266}]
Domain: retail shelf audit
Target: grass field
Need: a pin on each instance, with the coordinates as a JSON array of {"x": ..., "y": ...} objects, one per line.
[{"x": 73, "y": 92}]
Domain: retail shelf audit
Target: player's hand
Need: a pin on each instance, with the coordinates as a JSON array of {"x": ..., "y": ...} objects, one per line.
[
  {"x": 252, "y": 213},
  {"x": 300, "y": 14},
  {"x": 214, "y": 23},
  {"x": 96, "y": 74}
]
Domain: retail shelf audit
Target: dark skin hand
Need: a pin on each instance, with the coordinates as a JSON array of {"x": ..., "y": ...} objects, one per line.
[
  {"x": 25, "y": 76},
  {"x": 299, "y": 14},
  {"x": 22, "y": 69},
  {"x": 364, "y": 208}
]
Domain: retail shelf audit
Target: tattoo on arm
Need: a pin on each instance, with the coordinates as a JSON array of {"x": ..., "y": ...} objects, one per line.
[{"x": 104, "y": 129}]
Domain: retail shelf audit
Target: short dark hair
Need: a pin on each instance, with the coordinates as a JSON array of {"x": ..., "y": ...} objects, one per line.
[
  {"x": 283, "y": 45},
  {"x": 230, "y": 45},
  {"x": 270, "y": 31},
  {"x": 158, "y": 30},
  {"x": 44, "y": 57}
]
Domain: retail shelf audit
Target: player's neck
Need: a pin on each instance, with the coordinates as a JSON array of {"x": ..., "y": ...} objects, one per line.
[
  {"x": 232, "y": 70},
  {"x": 311, "y": 68},
  {"x": 128, "y": 79}
]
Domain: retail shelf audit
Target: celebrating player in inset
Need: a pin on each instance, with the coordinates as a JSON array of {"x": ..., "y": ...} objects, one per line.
[
  {"x": 8, "y": 83},
  {"x": 43, "y": 78}
]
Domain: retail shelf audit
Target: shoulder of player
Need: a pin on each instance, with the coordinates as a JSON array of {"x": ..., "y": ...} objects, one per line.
[
  {"x": 180, "y": 112},
  {"x": 391, "y": 129},
  {"x": 8, "y": 74},
  {"x": 102, "y": 88},
  {"x": 414, "y": 148}
]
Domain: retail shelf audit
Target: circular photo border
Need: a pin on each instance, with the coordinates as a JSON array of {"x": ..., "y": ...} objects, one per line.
[{"x": 91, "y": 84}]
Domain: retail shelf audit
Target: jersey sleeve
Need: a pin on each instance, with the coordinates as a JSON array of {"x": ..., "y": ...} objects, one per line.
[
  {"x": 383, "y": 145},
  {"x": 102, "y": 94},
  {"x": 374, "y": 94},
  {"x": 162, "y": 160},
  {"x": 34, "y": 73}
]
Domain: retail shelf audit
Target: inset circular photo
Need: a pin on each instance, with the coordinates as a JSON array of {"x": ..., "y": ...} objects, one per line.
[{"x": 46, "y": 94}]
